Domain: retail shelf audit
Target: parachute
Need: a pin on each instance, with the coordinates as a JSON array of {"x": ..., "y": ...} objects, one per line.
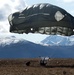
[{"x": 42, "y": 18}]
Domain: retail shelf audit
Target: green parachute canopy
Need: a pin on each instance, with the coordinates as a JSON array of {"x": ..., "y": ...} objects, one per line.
[{"x": 42, "y": 18}]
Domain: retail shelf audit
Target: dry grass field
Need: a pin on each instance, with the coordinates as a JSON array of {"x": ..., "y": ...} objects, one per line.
[{"x": 33, "y": 67}]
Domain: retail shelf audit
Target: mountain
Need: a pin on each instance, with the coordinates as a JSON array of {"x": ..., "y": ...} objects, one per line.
[
  {"x": 13, "y": 47},
  {"x": 58, "y": 40}
]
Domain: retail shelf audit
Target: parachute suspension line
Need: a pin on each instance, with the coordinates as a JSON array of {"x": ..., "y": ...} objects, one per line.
[
  {"x": 50, "y": 30},
  {"x": 44, "y": 30}
]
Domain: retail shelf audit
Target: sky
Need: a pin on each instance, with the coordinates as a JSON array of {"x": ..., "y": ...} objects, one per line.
[
  {"x": 10, "y": 6},
  {"x": 68, "y": 5}
]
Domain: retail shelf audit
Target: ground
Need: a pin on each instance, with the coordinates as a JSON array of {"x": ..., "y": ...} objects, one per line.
[{"x": 33, "y": 67}]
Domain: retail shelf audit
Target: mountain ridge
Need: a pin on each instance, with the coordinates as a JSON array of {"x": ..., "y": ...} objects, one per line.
[
  {"x": 58, "y": 40},
  {"x": 15, "y": 47}
]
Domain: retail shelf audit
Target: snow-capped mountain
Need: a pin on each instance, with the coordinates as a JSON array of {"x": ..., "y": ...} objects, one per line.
[
  {"x": 14, "y": 47},
  {"x": 58, "y": 40}
]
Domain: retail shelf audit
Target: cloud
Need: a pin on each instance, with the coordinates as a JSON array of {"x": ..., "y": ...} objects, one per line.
[
  {"x": 6, "y": 8},
  {"x": 4, "y": 11},
  {"x": 22, "y": 5},
  {"x": 2, "y": 17}
]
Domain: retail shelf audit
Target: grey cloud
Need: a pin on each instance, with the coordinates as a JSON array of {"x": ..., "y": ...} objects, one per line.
[
  {"x": 7, "y": 6},
  {"x": 21, "y": 5},
  {"x": 4, "y": 11},
  {"x": 2, "y": 17},
  {"x": 13, "y": 0}
]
